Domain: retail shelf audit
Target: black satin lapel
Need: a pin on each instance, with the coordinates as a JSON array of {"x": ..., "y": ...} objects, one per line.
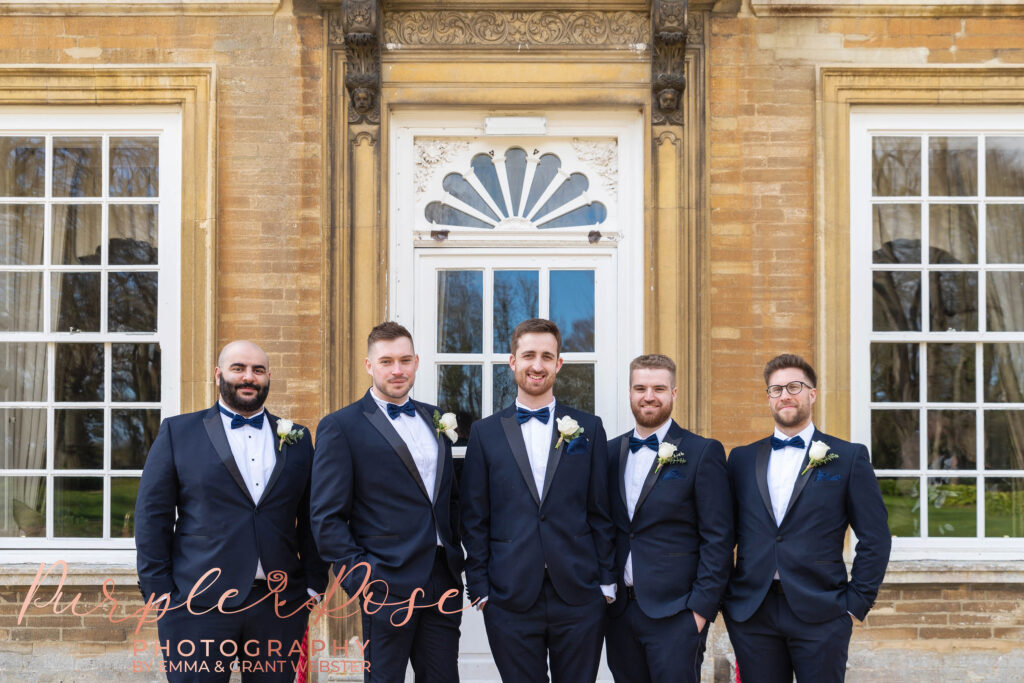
[
  {"x": 623, "y": 454},
  {"x": 764, "y": 451},
  {"x": 515, "y": 441},
  {"x": 441, "y": 438},
  {"x": 801, "y": 482},
  {"x": 554, "y": 455},
  {"x": 281, "y": 455},
  {"x": 215, "y": 430},
  {"x": 387, "y": 430},
  {"x": 652, "y": 477}
]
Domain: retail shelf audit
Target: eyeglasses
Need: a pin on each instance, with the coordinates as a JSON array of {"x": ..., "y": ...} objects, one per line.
[{"x": 793, "y": 388}]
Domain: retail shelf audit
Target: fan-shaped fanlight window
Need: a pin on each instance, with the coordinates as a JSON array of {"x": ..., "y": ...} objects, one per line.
[{"x": 516, "y": 190}]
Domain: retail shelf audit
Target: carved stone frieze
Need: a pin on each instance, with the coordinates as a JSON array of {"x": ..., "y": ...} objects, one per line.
[
  {"x": 495, "y": 28},
  {"x": 668, "y": 59},
  {"x": 361, "y": 27},
  {"x": 602, "y": 157},
  {"x": 431, "y": 154}
]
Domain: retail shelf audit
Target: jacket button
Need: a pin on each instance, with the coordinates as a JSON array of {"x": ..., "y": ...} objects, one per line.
[
  {"x": 778, "y": 538},
  {"x": 632, "y": 535},
  {"x": 543, "y": 517}
]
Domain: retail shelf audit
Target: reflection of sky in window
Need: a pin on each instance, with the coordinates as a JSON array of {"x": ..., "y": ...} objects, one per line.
[
  {"x": 515, "y": 169},
  {"x": 572, "y": 308},
  {"x": 483, "y": 168},
  {"x": 515, "y": 300},
  {"x": 460, "y": 311}
]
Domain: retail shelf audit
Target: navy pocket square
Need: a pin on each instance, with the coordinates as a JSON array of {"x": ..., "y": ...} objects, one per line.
[
  {"x": 824, "y": 476},
  {"x": 673, "y": 474},
  {"x": 577, "y": 446}
]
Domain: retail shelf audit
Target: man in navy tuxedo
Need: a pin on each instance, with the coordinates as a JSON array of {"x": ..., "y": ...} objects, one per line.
[
  {"x": 790, "y": 606},
  {"x": 223, "y": 490},
  {"x": 537, "y": 531},
  {"x": 384, "y": 494},
  {"x": 672, "y": 510}
]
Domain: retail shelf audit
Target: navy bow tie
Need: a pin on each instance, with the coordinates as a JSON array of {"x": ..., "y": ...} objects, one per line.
[
  {"x": 407, "y": 408},
  {"x": 523, "y": 415},
  {"x": 636, "y": 444},
  {"x": 238, "y": 421},
  {"x": 794, "y": 441}
]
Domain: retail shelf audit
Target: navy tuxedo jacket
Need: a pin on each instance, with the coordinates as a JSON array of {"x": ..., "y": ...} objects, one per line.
[
  {"x": 681, "y": 534},
  {"x": 369, "y": 503},
  {"x": 807, "y": 548},
  {"x": 191, "y": 472},
  {"x": 512, "y": 530}
]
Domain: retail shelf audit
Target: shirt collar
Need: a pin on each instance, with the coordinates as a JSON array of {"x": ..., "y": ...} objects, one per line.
[
  {"x": 234, "y": 412},
  {"x": 550, "y": 406},
  {"x": 661, "y": 432},
  {"x": 805, "y": 434},
  {"x": 382, "y": 404}
]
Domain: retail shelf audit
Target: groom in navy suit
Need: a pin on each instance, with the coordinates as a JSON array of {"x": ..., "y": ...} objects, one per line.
[
  {"x": 790, "y": 605},
  {"x": 384, "y": 494},
  {"x": 538, "y": 536},
  {"x": 225, "y": 489},
  {"x": 672, "y": 510}
]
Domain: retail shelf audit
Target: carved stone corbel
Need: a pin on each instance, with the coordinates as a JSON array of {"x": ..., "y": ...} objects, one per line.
[
  {"x": 668, "y": 56},
  {"x": 361, "y": 27}
]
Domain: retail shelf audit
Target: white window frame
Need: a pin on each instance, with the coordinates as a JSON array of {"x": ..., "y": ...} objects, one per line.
[
  {"x": 625, "y": 248},
  {"x": 164, "y": 123},
  {"x": 908, "y": 121}
]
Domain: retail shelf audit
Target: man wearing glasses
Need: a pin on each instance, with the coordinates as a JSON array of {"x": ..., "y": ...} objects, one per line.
[{"x": 790, "y": 605}]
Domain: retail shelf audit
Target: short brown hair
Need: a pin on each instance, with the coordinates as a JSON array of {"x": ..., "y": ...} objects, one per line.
[
  {"x": 536, "y": 325},
  {"x": 790, "y": 360},
  {"x": 653, "y": 361},
  {"x": 386, "y": 331}
]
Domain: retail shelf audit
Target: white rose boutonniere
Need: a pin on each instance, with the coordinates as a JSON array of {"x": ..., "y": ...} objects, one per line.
[
  {"x": 668, "y": 455},
  {"x": 818, "y": 455},
  {"x": 289, "y": 435},
  {"x": 568, "y": 430},
  {"x": 448, "y": 424}
]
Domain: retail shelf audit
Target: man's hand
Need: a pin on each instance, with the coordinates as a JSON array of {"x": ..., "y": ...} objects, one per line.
[
  {"x": 700, "y": 621},
  {"x": 609, "y": 599}
]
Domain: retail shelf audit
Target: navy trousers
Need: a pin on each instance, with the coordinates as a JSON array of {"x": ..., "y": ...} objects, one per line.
[{"x": 645, "y": 650}]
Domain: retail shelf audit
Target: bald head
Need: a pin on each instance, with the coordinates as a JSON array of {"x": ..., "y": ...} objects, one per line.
[
  {"x": 243, "y": 377},
  {"x": 240, "y": 346}
]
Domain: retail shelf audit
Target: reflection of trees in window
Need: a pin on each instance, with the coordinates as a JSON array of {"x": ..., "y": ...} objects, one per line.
[
  {"x": 581, "y": 336},
  {"x": 460, "y": 311},
  {"x": 459, "y": 391},
  {"x": 574, "y": 386}
]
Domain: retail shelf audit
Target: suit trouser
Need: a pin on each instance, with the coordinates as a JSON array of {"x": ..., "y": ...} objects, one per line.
[
  {"x": 646, "y": 650},
  {"x": 774, "y": 643},
  {"x": 521, "y": 642},
  {"x": 252, "y": 639},
  {"x": 430, "y": 639}
]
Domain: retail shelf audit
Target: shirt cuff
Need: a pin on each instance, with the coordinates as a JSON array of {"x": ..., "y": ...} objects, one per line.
[
  {"x": 313, "y": 594},
  {"x": 609, "y": 590}
]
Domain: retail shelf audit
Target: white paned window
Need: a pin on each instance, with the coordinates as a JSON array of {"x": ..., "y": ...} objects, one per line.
[
  {"x": 89, "y": 306},
  {"x": 937, "y": 229}
]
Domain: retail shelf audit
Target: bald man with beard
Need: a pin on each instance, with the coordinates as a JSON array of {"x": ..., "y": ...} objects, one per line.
[{"x": 227, "y": 489}]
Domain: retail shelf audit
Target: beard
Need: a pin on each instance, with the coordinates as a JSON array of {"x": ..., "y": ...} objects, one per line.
[
  {"x": 802, "y": 413},
  {"x": 229, "y": 394},
  {"x": 530, "y": 389},
  {"x": 389, "y": 392},
  {"x": 652, "y": 420}
]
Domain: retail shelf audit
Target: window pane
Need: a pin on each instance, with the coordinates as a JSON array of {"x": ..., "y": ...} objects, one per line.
[
  {"x": 1006, "y": 302},
  {"x": 77, "y": 234},
  {"x": 953, "y": 166},
  {"x": 78, "y": 507},
  {"x": 895, "y": 439},
  {"x": 79, "y": 372},
  {"x": 593, "y": 213},
  {"x": 954, "y": 301},
  {"x": 132, "y": 302},
  {"x": 438, "y": 213},
  {"x": 896, "y": 233},
  {"x": 951, "y": 373},
  {"x": 504, "y": 388},
  {"x": 22, "y": 506},
  {"x": 459, "y": 390},
  {"x": 21, "y": 302},
  {"x": 953, "y": 233},
  {"x": 483, "y": 169},
  {"x": 895, "y": 166},
  {"x": 78, "y": 439},
  {"x": 21, "y": 234},
  {"x": 460, "y": 311},
  {"x": 568, "y": 190},
  {"x": 22, "y": 166},
  {"x": 572, "y": 308},
  {"x": 574, "y": 386},
  {"x": 896, "y": 303},
  {"x": 134, "y": 170},
  {"x": 1004, "y": 508},
  {"x": 1004, "y": 166},
  {"x": 133, "y": 234},
  {"x": 131, "y": 434},
  {"x": 515, "y": 300},
  {"x": 1005, "y": 233},
  {"x": 902, "y": 499},
  {"x": 894, "y": 372},
  {"x": 123, "y": 491},
  {"x": 515, "y": 169},
  {"x": 953, "y": 505},
  {"x": 1004, "y": 373},
  {"x": 76, "y": 167},
  {"x": 23, "y": 371},
  {"x": 75, "y": 301},
  {"x": 951, "y": 440},
  {"x": 1004, "y": 440},
  {"x": 460, "y": 188},
  {"x": 547, "y": 169},
  {"x": 135, "y": 375},
  {"x": 23, "y": 438}
]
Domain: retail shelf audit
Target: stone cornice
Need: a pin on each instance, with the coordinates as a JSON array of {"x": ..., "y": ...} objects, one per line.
[
  {"x": 892, "y": 8},
  {"x": 136, "y": 7}
]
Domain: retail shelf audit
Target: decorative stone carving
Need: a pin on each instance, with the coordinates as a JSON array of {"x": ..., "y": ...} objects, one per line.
[
  {"x": 668, "y": 59},
  {"x": 361, "y": 26},
  {"x": 494, "y": 28},
  {"x": 432, "y": 153},
  {"x": 602, "y": 157}
]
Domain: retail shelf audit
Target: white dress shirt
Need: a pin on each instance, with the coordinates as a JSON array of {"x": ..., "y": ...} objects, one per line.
[
  {"x": 783, "y": 470},
  {"x": 421, "y": 441},
  {"x": 637, "y": 467},
  {"x": 255, "y": 455},
  {"x": 537, "y": 436}
]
